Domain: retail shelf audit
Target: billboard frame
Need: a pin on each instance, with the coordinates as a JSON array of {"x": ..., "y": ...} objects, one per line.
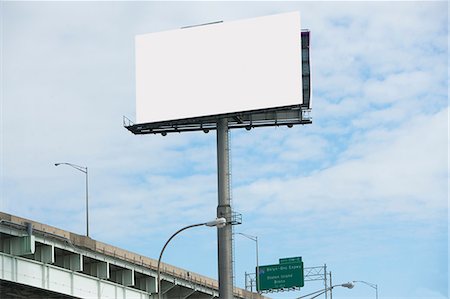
[{"x": 276, "y": 116}]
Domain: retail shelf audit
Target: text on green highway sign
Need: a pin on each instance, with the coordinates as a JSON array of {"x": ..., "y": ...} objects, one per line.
[{"x": 288, "y": 274}]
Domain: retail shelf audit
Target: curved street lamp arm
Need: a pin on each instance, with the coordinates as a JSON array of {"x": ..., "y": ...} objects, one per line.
[
  {"x": 77, "y": 167},
  {"x": 164, "y": 248},
  {"x": 253, "y": 238},
  {"x": 372, "y": 285}
]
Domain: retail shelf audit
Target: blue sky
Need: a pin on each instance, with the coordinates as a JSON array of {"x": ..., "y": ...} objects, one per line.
[{"x": 363, "y": 189}]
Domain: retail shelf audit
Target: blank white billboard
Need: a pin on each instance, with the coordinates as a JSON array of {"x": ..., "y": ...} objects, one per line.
[{"x": 219, "y": 68}]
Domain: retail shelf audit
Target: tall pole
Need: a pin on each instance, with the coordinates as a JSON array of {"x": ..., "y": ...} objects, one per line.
[
  {"x": 331, "y": 290},
  {"x": 84, "y": 170},
  {"x": 224, "y": 235},
  {"x": 255, "y": 239},
  {"x": 257, "y": 266},
  {"x": 325, "y": 279},
  {"x": 87, "y": 205}
]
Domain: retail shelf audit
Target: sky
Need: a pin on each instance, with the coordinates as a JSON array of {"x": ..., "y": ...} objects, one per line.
[{"x": 363, "y": 189}]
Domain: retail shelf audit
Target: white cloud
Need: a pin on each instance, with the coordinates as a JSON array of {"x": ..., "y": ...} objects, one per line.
[{"x": 401, "y": 171}]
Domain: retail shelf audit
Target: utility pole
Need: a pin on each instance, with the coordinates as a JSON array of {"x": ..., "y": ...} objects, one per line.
[
  {"x": 331, "y": 290},
  {"x": 325, "y": 278}
]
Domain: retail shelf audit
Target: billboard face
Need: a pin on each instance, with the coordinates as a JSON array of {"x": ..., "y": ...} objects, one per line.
[{"x": 219, "y": 68}]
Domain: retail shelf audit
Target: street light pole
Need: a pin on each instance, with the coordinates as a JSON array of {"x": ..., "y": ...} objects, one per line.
[
  {"x": 84, "y": 170},
  {"x": 372, "y": 285},
  {"x": 87, "y": 204},
  {"x": 218, "y": 222},
  {"x": 255, "y": 239}
]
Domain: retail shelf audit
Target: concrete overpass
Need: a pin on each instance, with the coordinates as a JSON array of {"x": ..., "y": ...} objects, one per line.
[{"x": 41, "y": 261}]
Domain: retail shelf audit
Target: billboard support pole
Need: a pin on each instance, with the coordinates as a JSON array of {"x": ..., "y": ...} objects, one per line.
[{"x": 224, "y": 235}]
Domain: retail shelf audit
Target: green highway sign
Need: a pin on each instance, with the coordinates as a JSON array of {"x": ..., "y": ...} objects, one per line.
[
  {"x": 285, "y": 275},
  {"x": 288, "y": 260}
]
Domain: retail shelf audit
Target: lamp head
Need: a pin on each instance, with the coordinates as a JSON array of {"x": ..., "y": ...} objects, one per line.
[
  {"x": 219, "y": 222},
  {"x": 56, "y": 164},
  {"x": 349, "y": 285}
]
